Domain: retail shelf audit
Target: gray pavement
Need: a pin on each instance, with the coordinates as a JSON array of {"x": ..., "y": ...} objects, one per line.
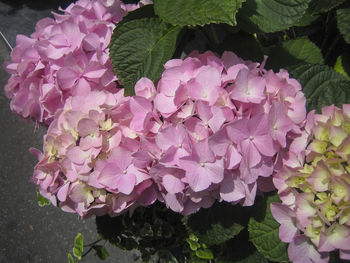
[{"x": 29, "y": 233}]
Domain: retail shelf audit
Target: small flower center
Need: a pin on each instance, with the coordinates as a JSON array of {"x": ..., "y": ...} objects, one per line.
[
  {"x": 124, "y": 171},
  {"x": 202, "y": 164}
]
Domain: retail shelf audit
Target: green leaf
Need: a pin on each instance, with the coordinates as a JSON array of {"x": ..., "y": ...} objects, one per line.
[
  {"x": 194, "y": 245},
  {"x": 205, "y": 253},
  {"x": 270, "y": 15},
  {"x": 240, "y": 250},
  {"x": 307, "y": 19},
  {"x": 345, "y": 61},
  {"x": 101, "y": 252},
  {"x": 343, "y": 19},
  {"x": 142, "y": 12},
  {"x": 263, "y": 231},
  {"x": 42, "y": 201},
  {"x": 70, "y": 258},
  {"x": 321, "y": 85},
  {"x": 218, "y": 224},
  {"x": 193, "y": 237},
  {"x": 338, "y": 67},
  {"x": 78, "y": 245},
  {"x": 139, "y": 48},
  {"x": 321, "y": 6},
  {"x": 194, "y": 12},
  {"x": 292, "y": 52}
]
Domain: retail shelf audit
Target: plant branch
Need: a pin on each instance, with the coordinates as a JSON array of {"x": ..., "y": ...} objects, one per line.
[{"x": 93, "y": 243}]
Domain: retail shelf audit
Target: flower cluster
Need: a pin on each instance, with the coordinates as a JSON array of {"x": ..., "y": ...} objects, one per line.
[
  {"x": 215, "y": 128},
  {"x": 225, "y": 125},
  {"x": 315, "y": 189},
  {"x": 87, "y": 165},
  {"x": 65, "y": 56}
]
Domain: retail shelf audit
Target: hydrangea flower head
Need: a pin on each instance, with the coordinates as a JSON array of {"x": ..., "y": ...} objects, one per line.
[
  {"x": 225, "y": 123},
  {"x": 88, "y": 166},
  {"x": 315, "y": 210},
  {"x": 65, "y": 56}
]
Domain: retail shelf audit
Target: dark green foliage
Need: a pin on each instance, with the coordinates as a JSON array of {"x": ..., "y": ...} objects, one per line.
[
  {"x": 343, "y": 16},
  {"x": 139, "y": 47},
  {"x": 263, "y": 230},
  {"x": 42, "y": 201},
  {"x": 291, "y": 52},
  {"x": 149, "y": 229},
  {"x": 322, "y": 85},
  {"x": 194, "y": 12},
  {"x": 101, "y": 251},
  {"x": 244, "y": 44},
  {"x": 321, "y": 6},
  {"x": 218, "y": 224},
  {"x": 270, "y": 15},
  {"x": 239, "y": 250}
]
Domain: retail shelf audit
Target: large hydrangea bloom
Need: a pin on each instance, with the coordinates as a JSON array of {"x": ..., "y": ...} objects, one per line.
[
  {"x": 225, "y": 125},
  {"x": 65, "y": 56},
  {"x": 87, "y": 166},
  {"x": 314, "y": 186}
]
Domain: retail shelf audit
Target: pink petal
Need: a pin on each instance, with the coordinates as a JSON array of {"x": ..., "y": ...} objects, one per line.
[
  {"x": 219, "y": 142},
  {"x": 63, "y": 192},
  {"x": 173, "y": 203},
  {"x": 172, "y": 184},
  {"x": 301, "y": 250},
  {"x": 66, "y": 78},
  {"x": 76, "y": 155},
  {"x": 248, "y": 88},
  {"x": 218, "y": 118},
  {"x": 238, "y": 131},
  {"x": 109, "y": 176},
  {"x": 144, "y": 87},
  {"x": 215, "y": 171},
  {"x": 205, "y": 86},
  {"x": 164, "y": 104},
  {"x": 265, "y": 145},
  {"x": 284, "y": 216},
  {"x": 126, "y": 183},
  {"x": 198, "y": 181},
  {"x": 250, "y": 153},
  {"x": 233, "y": 157},
  {"x": 94, "y": 70},
  {"x": 231, "y": 188},
  {"x": 87, "y": 127}
]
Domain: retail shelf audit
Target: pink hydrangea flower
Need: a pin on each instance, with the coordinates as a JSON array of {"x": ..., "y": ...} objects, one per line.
[
  {"x": 314, "y": 186},
  {"x": 213, "y": 129},
  {"x": 65, "y": 56},
  {"x": 88, "y": 165},
  {"x": 225, "y": 126}
]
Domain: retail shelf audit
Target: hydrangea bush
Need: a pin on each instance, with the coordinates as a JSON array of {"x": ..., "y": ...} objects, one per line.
[{"x": 177, "y": 125}]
